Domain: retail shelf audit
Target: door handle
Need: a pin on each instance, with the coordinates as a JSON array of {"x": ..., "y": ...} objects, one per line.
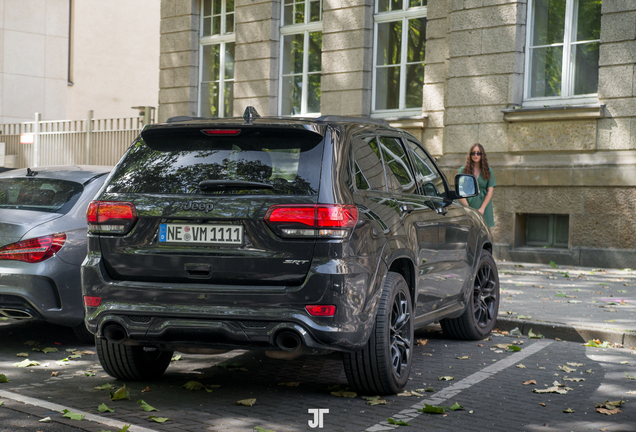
[
  {"x": 441, "y": 210},
  {"x": 406, "y": 208}
]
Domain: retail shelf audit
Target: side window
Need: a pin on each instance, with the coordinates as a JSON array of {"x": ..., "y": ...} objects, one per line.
[
  {"x": 398, "y": 173},
  {"x": 428, "y": 178},
  {"x": 369, "y": 173}
]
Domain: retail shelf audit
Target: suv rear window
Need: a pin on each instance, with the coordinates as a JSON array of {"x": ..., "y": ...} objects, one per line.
[
  {"x": 39, "y": 194},
  {"x": 177, "y": 160}
]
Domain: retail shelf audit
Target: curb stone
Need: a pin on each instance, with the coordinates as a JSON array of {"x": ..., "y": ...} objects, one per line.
[{"x": 567, "y": 332}]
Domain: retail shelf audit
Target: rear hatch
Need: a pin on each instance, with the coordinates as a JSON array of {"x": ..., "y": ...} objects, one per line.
[
  {"x": 201, "y": 195},
  {"x": 26, "y": 202}
]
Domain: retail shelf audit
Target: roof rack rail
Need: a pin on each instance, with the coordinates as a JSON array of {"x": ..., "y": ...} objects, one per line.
[
  {"x": 337, "y": 118},
  {"x": 183, "y": 118}
]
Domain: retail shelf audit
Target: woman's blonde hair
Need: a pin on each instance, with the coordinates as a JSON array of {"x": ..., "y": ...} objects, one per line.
[{"x": 469, "y": 168}]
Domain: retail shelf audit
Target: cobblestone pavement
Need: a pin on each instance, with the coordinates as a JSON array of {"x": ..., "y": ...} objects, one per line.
[
  {"x": 487, "y": 382},
  {"x": 573, "y": 303}
]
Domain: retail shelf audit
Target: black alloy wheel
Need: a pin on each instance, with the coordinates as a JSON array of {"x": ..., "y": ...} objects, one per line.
[
  {"x": 383, "y": 366},
  {"x": 484, "y": 295},
  {"x": 480, "y": 315},
  {"x": 401, "y": 340}
]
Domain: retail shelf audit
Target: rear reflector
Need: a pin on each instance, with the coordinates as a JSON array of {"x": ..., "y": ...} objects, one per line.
[
  {"x": 321, "y": 220},
  {"x": 321, "y": 310},
  {"x": 110, "y": 217},
  {"x": 33, "y": 250},
  {"x": 92, "y": 301},
  {"x": 226, "y": 132}
]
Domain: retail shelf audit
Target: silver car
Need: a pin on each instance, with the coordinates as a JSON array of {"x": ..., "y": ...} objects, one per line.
[{"x": 43, "y": 242}]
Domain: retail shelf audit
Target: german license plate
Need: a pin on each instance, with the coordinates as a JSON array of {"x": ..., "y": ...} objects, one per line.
[{"x": 201, "y": 234}]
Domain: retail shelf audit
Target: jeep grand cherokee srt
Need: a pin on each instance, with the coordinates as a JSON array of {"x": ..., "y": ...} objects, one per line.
[{"x": 293, "y": 235}]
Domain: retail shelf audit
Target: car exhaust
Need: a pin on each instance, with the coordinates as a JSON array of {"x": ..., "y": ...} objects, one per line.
[
  {"x": 115, "y": 333},
  {"x": 288, "y": 341}
]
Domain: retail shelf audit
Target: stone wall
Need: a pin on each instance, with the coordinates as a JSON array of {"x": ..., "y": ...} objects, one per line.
[{"x": 179, "y": 59}]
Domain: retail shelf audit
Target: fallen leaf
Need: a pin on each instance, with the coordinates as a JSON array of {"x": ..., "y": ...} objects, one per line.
[
  {"x": 22, "y": 355},
  {"x": 427, "y": 354},
  {"x": 595, "y": 343},
  {"x": 376, "y": 402},
  {"x": 421, "y": 342},
  {"x": 195, "y": 385},
  {"x": 520, "y": 366},
  {"x": 464, "y": 358},
  {"x": 529, "y": 382},
  {"x": 32, "y": 343},
  {"x": 45, "y": 420},
  {"x": 542, "y": 404},
  {"x": 145, "y": 406},
  {"x": 553, "y": 389},
  {"x": 397, "y": 422},
  {"x": 3, "y": 378},
  {"x": 565, "y": 368},
  {"x": 260, "y": 429},
  {"x": 432, "y": 409},
  {"x": 49, "y": 350},
  {"x": 568, "y": 411},
  {"x": 72, "y": 416},
  {"x": 120, "y": 394},
  {"x": 429, "y": 389},
  {"x": 456, "y": 407},
  {"x": 573, "y": 379},
  {"x": 624, "y": 362},
  {"x": 608, "y": 411},
  {"x": 147, "y": 389},
  {"x": 26, "y": 363},
  {"x": 343, "y": 393},
  {"x": 445, "y": 378},
  {"x": 104, "y": 408},
  {"x": 176, "y": 357},
  {"x": 289, "y": 384},
  {"x": 159, "y": 419},
  {"x": 532, "y": 335},
  {"x": 575, "y": 364},
  {"x": 106, "y": 386},
  {"x": 630, "y": 376},
  {"x": 246, "y": 402}
]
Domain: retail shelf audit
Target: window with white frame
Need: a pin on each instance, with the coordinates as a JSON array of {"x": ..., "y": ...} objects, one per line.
[
  {"x": 562, "y": 51},
  {"x": 216, "y": 72},
  {"x": 301, "y": 57},
  {"x": 400, "y": 45}
]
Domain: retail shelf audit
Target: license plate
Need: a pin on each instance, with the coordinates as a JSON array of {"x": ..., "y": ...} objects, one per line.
[{"x": 201, "y": 234}]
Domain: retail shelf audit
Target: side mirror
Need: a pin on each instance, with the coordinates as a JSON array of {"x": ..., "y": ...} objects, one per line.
[{"x": 466, "y": 186}]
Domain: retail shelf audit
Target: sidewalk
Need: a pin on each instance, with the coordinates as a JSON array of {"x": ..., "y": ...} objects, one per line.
[{"x": 567, "y": 302}]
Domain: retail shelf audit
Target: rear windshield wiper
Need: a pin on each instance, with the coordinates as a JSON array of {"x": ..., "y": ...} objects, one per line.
[{"x": 232, "y": 184}]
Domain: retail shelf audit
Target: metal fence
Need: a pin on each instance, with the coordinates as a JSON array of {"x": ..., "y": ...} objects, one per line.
[{"x": 70, "y": 142}]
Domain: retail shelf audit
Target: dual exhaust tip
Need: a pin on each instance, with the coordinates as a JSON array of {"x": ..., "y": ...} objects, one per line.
[{"x": 286, "y": 340}]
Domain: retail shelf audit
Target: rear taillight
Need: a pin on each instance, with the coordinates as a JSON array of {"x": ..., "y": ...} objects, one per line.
[
  {"x": 92, "y": 301},
  {"x": 321, "y": 220},
  {"x": 321, "y": 310},
  {"x": 110, "y": 217},
  {"x": 225, "y": 132},
  {"x": 33, "y": 250}
]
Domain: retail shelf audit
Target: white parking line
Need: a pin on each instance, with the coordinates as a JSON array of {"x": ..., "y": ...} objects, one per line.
[
  {"x": 87, "y": 416},
  {"x": 451, "y": 391}
]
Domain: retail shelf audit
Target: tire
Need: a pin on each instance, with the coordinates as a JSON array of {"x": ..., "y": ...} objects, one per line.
[
  {"x": 383, "y": 366},
  {"x": 82, "y": 333},
  {"x": 131, "y": 363},
  {"x": 480, "y": 316}
]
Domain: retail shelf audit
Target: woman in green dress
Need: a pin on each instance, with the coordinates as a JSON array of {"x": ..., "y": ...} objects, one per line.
[{"x": 477, "y": 164}]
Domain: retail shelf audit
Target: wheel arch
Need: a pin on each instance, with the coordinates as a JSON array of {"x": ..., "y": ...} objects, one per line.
[{"x": 405, "y": 267}]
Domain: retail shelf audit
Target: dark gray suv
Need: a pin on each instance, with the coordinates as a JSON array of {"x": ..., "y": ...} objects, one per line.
[{"x": 290, "y": 235}]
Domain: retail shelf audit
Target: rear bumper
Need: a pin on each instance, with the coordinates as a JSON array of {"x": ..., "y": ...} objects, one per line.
[
  {"x": 231, "y": 317},
  {"x": 47, "y": 291}
]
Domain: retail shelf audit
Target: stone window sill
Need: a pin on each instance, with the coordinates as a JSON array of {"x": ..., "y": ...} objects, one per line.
[
  {"x": 572, "y": 112},
  {"x": 407, "y": 122}
]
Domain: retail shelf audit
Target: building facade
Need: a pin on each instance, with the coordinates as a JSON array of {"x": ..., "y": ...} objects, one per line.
[
  {"x": 61, "y": 58},
  {"x": 547, "y": 86}
]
